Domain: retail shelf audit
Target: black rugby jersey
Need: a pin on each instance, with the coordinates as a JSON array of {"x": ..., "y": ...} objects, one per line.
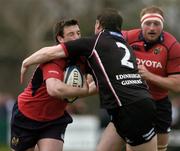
[{"x": 114, "y": 67}]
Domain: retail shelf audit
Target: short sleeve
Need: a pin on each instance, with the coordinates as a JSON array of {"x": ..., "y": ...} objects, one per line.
[
  {"x": 173, "y": 65},
  {"x": 53, "y": 70},
  {"x": 125, "y": 33}
]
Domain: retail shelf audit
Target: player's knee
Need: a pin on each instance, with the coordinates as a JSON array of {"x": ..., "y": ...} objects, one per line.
[
  {"x": 162, "y": 147},
  {"x": 103, "y": 147},
  {"x": 98, "y": 148}
]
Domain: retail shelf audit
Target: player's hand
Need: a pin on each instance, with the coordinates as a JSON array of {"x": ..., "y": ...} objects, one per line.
[
  {"x": 91, "y": 84},
  {"x": 143, "y": 71},
  {"x": 24, "y": 69},
  {"x": 85, "y": 85}
]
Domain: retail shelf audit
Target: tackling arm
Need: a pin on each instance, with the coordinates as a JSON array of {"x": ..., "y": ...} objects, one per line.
[{"x": 43, "y": 55}]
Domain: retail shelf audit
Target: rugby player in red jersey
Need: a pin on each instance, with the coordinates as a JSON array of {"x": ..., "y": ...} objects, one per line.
[
  {"x": 158, "y": 56},
  {"x": 39, "y": 116}
]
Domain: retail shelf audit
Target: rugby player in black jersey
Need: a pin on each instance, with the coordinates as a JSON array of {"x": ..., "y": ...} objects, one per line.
[{"x": 122, "y": 92}]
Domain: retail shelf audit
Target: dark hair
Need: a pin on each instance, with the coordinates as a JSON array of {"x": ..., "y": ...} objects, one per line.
[
  {"x": 59, "y": 27},
  {"x": 110, "y": 19}
]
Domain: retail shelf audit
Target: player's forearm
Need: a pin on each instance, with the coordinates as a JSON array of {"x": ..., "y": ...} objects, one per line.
[
  {"x": 58, "y": 89},
  {"x": 70, "y": 92},
  {"x": 44, "y": 55},
  {"x": 171, "y": 83}
]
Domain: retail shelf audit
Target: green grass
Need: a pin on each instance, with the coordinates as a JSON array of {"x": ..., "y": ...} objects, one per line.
[{"x": 4, "y": 148}]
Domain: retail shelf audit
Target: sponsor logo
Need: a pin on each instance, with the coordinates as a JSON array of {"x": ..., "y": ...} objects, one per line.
[
  {"x": 130, "y": 82},
  {"x": 15, "y": 141},
  {"x": 129, "y": 79},
  {"x": 127, "y": 76},
  {"x": 149, "y": 63},
  {"x": 157, "y": 50}
]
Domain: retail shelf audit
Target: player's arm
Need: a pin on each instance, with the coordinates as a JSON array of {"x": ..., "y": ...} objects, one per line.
[
  {"x": 58, "y": 89},
  {"x": 43, "y": 55},
  {"x": 171, "y": 83}
]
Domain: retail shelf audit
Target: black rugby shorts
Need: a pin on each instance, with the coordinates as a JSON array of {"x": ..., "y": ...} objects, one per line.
[
  {"x": 25, "y": 132},
  {"x": 135, "y": 122},
  {"x": 163, "y": 115}
]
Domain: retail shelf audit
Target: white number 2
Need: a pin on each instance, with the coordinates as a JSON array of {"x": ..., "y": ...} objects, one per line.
[{"x": 125, "y": 59}]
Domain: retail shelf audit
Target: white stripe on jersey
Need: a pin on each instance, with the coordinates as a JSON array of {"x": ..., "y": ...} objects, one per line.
[
  {"x": 106, "y": 76},
  {"x": 94, "y": 52}
]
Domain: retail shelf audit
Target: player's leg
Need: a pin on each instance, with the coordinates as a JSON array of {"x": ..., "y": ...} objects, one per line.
[
  {"x": 135, "y": 124},
  {"x": 52, "y": 136},
  {"x": 163, "y": 122},
  {"x": 149, "y": 146},
  {"x": 110, "y": 140},
  {"x": 36, "y": 148},
  {"x": 49, "y": 144},
  {"x": 128, "y": 148},
  {"x": 30, "y": 149},
  {"x": 162, "y": 141},
  {"x": 23, "y": 137}
]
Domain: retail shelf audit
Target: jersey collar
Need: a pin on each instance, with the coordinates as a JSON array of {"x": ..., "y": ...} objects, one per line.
[
  {"x": 148, "y": 45},
  {"x": 159, "y": 40},
  {"x": 115, "y": 34}
]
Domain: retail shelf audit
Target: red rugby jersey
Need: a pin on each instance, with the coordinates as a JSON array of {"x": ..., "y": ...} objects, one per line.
[
  {"x": 162, "y": 58},
  {"x": 34, "y": 102}
]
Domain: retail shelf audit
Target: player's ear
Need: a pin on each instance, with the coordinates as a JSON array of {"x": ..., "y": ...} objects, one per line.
[
  {"x": 98, "y": 27},
  {"x": 60, "y": 39}
]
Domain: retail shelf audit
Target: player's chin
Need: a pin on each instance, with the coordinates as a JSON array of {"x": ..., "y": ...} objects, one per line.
[{"x": 152, "y": 38}]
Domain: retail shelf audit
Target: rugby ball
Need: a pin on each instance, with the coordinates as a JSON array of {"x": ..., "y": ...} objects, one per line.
[{"x": 73, "y": 77}]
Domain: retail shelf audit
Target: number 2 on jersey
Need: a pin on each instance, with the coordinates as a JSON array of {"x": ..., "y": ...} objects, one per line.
[{"x": 125, "y": 60}]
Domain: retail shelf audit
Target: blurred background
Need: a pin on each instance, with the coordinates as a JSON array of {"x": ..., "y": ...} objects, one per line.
[{"x": 27, "y": 25}]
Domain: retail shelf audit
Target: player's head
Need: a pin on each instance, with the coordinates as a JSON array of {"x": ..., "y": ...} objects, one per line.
[
  {"x": 109, "y": 19},
  {"x": 152, "y": 20},
  {"x": 67, "y": 30}
]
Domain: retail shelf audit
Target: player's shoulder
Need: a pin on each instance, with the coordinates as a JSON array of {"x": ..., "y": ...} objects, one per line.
[
  {"x": 168, "y": 35},
  {"x": 131, "y": 35},
  {"x": 168, "y": 39},
  {"x": 59, "y": 61},
  {"x": 62, "y": 63},
  {"x": 134, "y": 31}
]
